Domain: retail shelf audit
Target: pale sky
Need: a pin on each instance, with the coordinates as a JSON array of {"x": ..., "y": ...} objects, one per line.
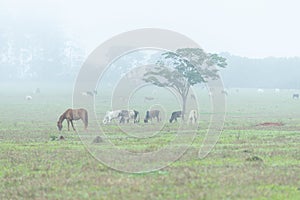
[{"x": 252, "y": 28}]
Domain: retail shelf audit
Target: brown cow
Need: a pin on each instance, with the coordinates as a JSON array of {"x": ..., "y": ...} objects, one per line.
[{"x": 152, "y": 114}]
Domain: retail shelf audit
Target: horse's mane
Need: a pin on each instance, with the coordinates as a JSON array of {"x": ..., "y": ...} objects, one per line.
[{"x": 62, "y": 117}]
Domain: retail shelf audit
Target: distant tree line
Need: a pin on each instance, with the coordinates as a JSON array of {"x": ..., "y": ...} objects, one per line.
[{"x": 271, "y": 72}]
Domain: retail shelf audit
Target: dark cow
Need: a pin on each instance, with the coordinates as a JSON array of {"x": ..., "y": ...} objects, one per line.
[
  {"x": 175, "y": 115},
  {"x": 151, "y": 115},
  {"x": 295, "y": 96}
]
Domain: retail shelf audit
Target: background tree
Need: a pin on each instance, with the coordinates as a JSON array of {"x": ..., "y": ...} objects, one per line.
[
  {"x": 184, "y": 68},
  {"x": 37, "y": 50}
]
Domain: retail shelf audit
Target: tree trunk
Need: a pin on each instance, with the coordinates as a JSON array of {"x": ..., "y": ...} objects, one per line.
[{"x": 184, "y": 98}]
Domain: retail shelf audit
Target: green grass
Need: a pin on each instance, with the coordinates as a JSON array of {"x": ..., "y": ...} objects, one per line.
[{"x": 35, "y": 164}]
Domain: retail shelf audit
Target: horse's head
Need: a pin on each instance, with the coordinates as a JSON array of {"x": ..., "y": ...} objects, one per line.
[{"x": 59, "y": 125}]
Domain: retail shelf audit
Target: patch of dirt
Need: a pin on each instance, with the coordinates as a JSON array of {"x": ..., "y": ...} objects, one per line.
[
  {"x": 97, "y": 139},
  {"x": 247, "y": 151},
  {"x": 61, "y": 137},
  {"x": 254, "y": 158},
  {"x": 270, "y": 124}
]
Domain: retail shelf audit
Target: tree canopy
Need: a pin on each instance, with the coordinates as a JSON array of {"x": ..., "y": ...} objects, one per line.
[{"x": 184, "y": 68}]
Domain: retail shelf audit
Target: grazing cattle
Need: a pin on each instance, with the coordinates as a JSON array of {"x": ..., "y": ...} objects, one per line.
[
  {"x": 37, "y": 91},
  {"x": 295, "y": 96},
  {"x": 84, "y": 94},
  {"x": 175, "y": 115},
  {"x": 110, "y": 115},
  {"x": 148, "y": 99},
  {"x": 193, "y": 117},
  {"x": 89, "y": 93},
  {"x": 151, "y": 115},
  {"x": 126, "y": 115},
  {"x": 28, "y": 97},
  {"x": 224, "y": 92},
  {"x": 260, "y": 90},
  {"x": 73, "y": 114},
  {"x": 122, "y": 115}
]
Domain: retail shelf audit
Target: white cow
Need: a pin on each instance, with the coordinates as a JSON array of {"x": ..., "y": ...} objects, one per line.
[
  {"x": 110, "y": 115},
  {"x": 28, "y": 97},
  {"x": 193, "y": 117},
  {"x": 121, "y": 115},
  {"x": 260, "y": 90}
]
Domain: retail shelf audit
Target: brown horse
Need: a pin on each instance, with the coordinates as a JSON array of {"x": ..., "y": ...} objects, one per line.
[{"x": 73, "y": 114}]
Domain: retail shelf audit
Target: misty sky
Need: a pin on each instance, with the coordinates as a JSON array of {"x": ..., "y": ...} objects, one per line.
[{"x": 254, "y": 28}]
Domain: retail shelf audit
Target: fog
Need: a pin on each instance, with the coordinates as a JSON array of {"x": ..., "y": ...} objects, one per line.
[{"x": 50, "y": 40}]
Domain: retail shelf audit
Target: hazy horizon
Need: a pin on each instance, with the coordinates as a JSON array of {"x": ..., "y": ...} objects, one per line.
[
  {"x": 254, "y": 29},
  {"x": 50, "y": 39}
]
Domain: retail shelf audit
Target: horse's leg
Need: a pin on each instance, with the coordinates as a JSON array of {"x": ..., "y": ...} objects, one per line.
[
  {"x": 85, "y": 125},
  {"x": 136, "y": 119},
  {"x": 121, "y": 120},
  {"x": 72, "y": 125},
  {"x": 68, "y": 125},
  {"x": 83, "y": 119}
]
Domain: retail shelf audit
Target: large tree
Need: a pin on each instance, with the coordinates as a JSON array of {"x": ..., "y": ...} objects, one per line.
[{"x": 184, "y": 68}]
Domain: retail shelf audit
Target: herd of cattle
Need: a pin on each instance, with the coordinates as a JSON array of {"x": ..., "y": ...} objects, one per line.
[{"x": 126, "y": 115}]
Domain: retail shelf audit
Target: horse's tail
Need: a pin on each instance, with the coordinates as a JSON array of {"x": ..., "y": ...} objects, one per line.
[{"x": 86, "y": 119}]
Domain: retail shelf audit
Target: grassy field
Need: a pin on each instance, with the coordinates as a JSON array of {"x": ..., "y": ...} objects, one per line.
[{"x": 250, "y": 161}]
